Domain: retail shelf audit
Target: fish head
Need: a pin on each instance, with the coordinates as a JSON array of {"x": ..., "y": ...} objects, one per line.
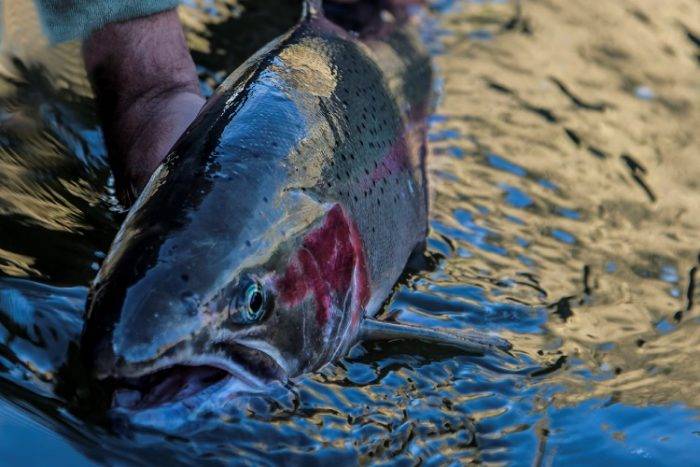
[{"x": 170, "y": 317}]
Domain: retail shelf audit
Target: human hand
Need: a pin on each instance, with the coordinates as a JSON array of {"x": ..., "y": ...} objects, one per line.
[{"x": 147, "y": 93}]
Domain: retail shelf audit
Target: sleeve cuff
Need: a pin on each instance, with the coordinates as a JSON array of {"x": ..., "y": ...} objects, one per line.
[{"x": 64, "y": 20}]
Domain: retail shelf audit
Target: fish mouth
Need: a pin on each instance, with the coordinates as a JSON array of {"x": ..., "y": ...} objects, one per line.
[
  {"x": 186, "y": 380},
  {"x": 164, "y": 386}
]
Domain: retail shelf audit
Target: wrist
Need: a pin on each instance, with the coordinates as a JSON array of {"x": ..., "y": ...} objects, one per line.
[
  {"x": 139, "y": 59},
  {"x": 146, "y": 90}
]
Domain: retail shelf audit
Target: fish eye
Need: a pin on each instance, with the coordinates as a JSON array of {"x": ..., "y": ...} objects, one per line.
[
  {"x": 254, "y": 298},
  {"x": 252, "y": 304}
]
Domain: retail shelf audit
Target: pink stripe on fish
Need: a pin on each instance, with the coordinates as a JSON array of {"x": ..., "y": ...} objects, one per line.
[
  {"x": 329, "y": 262},
  {"x": 397, "y": 159}
]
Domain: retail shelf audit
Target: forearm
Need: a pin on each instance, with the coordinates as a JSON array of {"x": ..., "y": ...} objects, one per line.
[{"x": 146, "y": 92}]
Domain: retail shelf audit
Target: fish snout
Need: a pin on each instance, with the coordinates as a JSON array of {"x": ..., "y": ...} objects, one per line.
[{"x": 141, "y": 333}]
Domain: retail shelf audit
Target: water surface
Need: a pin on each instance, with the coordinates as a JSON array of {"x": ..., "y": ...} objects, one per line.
[{"x": 565, "y": 214}]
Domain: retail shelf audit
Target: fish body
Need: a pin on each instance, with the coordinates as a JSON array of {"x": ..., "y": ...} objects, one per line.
[{"x": 283, "y": 217}]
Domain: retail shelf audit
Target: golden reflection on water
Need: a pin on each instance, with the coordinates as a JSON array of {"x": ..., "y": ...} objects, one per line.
[
  {"x": 51, "y": 155},
  {"x": 587, "y": 96}
]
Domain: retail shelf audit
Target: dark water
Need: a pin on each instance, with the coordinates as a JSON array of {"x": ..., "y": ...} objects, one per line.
[{"x": 566, "y": 208}]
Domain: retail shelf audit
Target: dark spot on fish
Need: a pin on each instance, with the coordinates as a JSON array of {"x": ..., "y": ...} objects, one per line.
[
  {"x": 265, "y": 200},
  {"x": 248, "y": 244},
  {"x": 185, "y": 277}
]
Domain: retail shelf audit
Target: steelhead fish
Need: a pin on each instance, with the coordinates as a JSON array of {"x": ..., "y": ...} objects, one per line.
[{"x": 278, "y": 224}]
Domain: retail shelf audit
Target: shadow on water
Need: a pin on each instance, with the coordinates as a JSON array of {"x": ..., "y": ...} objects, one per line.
[{"x": 565, "y": 209}]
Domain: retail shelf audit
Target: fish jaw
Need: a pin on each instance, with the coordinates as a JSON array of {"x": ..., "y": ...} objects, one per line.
[{"x": 182, "y": 377}]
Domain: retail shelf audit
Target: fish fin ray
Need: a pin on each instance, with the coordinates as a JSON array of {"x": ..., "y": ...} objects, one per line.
[
  {"x": 468, "y": 341},
  {"x": 312, "y": 9}
]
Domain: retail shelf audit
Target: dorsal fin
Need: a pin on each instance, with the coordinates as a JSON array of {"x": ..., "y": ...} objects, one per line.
[{"x": 312, "y": 8}]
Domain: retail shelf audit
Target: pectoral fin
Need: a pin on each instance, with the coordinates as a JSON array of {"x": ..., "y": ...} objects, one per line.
[{"x": 468, "y": 341}]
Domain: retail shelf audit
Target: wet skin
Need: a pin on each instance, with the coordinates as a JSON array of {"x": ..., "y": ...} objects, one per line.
[{"x": 282, "y": 217}]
